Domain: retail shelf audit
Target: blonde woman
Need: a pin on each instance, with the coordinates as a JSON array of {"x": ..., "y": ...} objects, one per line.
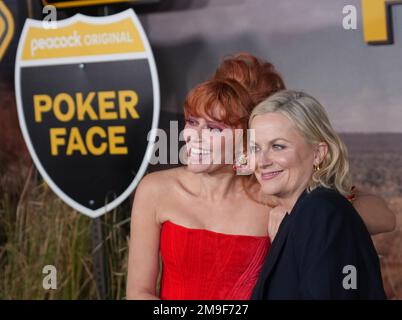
[{"x": 322, "y": 249}]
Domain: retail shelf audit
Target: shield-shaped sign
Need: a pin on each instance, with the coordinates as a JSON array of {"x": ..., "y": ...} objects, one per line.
[
  {"x": 87, "y": 96},
  {"x": 6, "y": 28}
]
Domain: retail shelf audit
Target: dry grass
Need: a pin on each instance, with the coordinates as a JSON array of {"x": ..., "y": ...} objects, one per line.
[{"x": 38, "y": 229}]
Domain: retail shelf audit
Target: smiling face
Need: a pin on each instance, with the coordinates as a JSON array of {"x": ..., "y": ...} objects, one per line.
[
  {"x": 284, "y": 160},
  {"x": 214, "y": 110},
  {"x": 207, "y": 144}
]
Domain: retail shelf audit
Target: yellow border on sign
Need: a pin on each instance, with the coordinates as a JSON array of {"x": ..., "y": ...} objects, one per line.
[
  {"x": 10, "y": 29},
  {"x": 377, "y": 21},
  {"x": 82, "y": 3},
  {"x": 82, "y": 29}
]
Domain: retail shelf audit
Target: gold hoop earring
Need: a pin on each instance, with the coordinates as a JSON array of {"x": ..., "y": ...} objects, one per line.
[{"x": 317, "y": 168}]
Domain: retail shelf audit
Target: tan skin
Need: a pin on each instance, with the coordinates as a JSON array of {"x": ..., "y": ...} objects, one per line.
[
  {"x": 201, "y": 196},
  {"x": 291, "y": 156},
  {"x": 284, "y": 158}
]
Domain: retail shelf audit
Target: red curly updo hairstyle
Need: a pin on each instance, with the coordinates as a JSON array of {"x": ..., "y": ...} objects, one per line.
[
  {"x": 240, "y": 82},
  {"x": 259, "y": 77},
  {"x": 223, "y": 100},
  {"x": 261, "y": 80}
]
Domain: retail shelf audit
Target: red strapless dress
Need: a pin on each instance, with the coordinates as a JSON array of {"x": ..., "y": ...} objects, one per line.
[{"x": 200, "y": 264}]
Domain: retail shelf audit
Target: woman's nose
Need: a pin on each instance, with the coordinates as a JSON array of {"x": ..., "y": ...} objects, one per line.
[
  {"x": 199, "y": 129},
  {"x": 194, "y": 134},
  {"x": 264, "y": 159}
]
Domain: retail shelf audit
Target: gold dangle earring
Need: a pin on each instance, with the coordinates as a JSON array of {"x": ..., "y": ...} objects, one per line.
[{"x": 241, "y": 160}]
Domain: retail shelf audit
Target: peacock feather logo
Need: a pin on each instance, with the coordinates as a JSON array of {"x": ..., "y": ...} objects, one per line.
[{"x": 6, "y": 28}]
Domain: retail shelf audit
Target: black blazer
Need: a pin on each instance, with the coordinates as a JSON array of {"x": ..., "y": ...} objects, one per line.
[{"x": 322, "y": 234}]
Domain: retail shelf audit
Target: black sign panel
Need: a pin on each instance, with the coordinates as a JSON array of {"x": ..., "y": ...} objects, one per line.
[{"x": 86, "y": 118}]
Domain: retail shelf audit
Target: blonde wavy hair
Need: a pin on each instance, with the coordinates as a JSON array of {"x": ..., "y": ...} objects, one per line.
[{"x": 311, "y": 119}]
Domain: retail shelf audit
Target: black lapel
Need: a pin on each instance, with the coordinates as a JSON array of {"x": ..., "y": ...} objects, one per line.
[
  {"x": 275, "y": 250},
  {"x": 273, "y": 255}
]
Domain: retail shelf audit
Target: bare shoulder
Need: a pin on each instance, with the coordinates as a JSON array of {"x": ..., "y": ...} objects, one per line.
[
  {"x": 161, "y": 181},
  {"x": 157, "y": 190}
]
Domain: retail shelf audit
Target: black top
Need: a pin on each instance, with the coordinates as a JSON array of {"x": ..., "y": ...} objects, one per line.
[{"x": 322, "y": 251}]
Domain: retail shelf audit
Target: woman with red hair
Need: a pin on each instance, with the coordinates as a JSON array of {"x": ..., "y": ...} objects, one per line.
[{"x": 209, "y": 227}]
